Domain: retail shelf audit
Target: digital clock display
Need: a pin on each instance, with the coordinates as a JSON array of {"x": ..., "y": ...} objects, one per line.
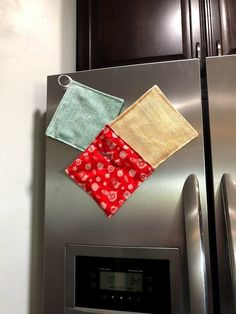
[{"x": 132, "y": 282}]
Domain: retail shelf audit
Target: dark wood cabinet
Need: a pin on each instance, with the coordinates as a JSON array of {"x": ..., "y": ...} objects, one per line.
[
  {"x": 222, "y": 26},
  {"x": 228, "y": 26},
  {"x": 135, "y": 31},
  {"x": 138, "y": 31},
  {"x": 111, "y": 32}
]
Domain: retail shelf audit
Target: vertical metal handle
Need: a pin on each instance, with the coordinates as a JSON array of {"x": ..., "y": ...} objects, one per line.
[
  {"x": 195, "y": 252},
  {"x": 218, "y": 48},
  {"x": 198, "y": 50},
  {"x": 228, "y": 190}
]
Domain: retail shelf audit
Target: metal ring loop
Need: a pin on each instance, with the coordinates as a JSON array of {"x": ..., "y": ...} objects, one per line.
[{"x": 66, "y": 76}]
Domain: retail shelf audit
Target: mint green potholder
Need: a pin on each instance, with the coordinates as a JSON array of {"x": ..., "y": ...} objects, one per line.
[{"x": 81, "y": 114}]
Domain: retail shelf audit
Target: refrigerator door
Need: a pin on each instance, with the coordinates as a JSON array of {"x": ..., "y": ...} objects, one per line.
[
  {"x": 221, "y": 79},
  {"x": 153, "y": 217}
]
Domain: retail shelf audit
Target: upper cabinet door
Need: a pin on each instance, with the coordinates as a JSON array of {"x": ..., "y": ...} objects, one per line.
[
  {"x": 221, "y": 27},
  {"x": 123, "y": 32},
  {"x": 228, "y": 25}
]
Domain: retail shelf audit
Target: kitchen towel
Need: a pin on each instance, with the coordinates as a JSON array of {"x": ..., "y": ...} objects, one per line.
[
  {"x": 153, "y": 127},
  {"x": 81, "y": 114},
  {"x": 109, "y": 170},
  {"x": 128, "y": 150}
]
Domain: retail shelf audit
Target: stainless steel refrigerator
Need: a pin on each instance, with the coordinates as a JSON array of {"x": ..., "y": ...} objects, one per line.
[
  {"x": 159, "y": 237},
  {"x": 221, "y": 78}
]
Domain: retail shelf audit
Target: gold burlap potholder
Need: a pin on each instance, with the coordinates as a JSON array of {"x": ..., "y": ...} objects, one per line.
[{"x": 153, "y": 127}]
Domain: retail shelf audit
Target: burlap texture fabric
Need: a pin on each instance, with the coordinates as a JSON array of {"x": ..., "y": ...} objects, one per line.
[{"x": 153, "y": 127}]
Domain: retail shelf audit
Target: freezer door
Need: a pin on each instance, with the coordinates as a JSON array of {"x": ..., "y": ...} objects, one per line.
[
  {"x": 221, "y": 81},
  {"x": 154, "y": 215}
]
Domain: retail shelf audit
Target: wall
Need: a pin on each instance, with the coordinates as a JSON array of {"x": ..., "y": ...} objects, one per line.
[{"x": 37, "y": 39}]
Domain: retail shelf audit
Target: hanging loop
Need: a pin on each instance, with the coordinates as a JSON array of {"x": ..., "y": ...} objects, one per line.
[{"x": 65, "y": 78}]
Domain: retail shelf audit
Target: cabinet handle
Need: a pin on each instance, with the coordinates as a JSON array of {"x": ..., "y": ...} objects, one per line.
[
  {"x": 198, "y": 50},
  {"x": 218, "y": 48}
]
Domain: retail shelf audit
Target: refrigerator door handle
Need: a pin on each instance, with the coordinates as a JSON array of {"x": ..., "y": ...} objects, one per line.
[
  {"x": 195, "y": 252},
  {"x": 228, "y": 190}
]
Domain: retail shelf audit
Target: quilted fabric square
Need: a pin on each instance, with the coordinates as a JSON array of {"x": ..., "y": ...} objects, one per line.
[
  {"x": 109, "y": 170},
  {"x": 153, "y": 127},
  {"x": 81, "y": 115}
]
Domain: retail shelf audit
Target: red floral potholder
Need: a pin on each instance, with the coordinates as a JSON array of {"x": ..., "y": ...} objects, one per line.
[{"x": 109, "y": 170}]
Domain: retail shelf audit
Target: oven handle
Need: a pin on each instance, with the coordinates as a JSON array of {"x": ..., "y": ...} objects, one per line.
[
  {"x": 194, "y": 243},
  {"x": 228, "y": 190}
]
